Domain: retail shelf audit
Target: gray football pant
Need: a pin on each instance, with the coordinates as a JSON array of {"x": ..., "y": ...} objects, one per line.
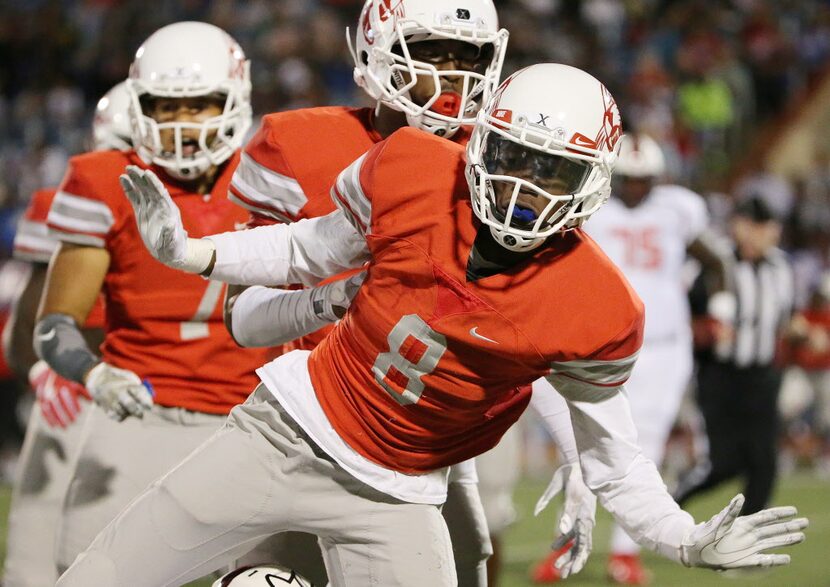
[
  {"x": 462, "y": 512},
  {"x": 43, "y": 474},
  {"x": 259, "y": 475},
  {"x": 116, "y": 461}
]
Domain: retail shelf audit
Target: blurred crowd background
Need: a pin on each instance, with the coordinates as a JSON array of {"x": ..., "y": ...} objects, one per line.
[{"x": 720, "y": 84}]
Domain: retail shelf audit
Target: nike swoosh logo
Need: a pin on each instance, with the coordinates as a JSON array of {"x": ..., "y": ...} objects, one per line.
[
  {"x": 479, "y": 336},
  {"x": 47, "y": 335}
]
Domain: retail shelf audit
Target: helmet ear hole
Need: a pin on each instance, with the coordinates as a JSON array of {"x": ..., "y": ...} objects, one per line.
[{"x": 364, "y": 57}]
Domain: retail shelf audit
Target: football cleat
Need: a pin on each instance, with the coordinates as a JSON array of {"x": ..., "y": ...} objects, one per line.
[
  {"x": 627, "y": 569},
  {"x": 545, "y": 571}
]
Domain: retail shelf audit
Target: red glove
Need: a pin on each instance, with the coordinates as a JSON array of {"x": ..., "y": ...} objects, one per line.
[{"x": 57, "y": 397}]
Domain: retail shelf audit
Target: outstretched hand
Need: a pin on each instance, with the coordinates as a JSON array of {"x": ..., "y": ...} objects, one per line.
[
  {"x": 158, "y": 218},
  {"x": 731, "y": 541}
]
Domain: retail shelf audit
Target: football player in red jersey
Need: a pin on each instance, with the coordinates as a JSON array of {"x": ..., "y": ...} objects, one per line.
[
  {"x": 461, "y": 306},
  {"x": 52, "y": 432},
  {"x": 423, "y": 75},
  {"x": 168, "y": 372},
  {"x": 425, "y": 66}
]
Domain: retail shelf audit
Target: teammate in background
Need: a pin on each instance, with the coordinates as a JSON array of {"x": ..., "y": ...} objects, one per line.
[
  {"x": 168, "y": 372},
  {"x": 430, "y": 69},
  {"x": 352, "y": 441},
  {"x": 808, "y": 346},
  {"x": 53, "y": 431},
  {"x": 648, "y": 229},
  {"x": 421, "y": 74}
]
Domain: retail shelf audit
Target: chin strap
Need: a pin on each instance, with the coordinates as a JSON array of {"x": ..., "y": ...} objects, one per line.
[{"x": 517, "y": 244}]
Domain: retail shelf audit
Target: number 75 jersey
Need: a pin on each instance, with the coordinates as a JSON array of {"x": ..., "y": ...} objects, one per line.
[
  {"x": 426, "y": 368},
  {"x": 163, "y": 324}
]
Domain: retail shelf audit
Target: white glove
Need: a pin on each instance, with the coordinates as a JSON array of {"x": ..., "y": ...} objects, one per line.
[
  {"x": 731, "y": 542},
  {"x": 576, "y": 521},
  {"x": 331, "y": 301},
  {"x": 160, "y": 223},
  {"x": 119, "y": 392}
]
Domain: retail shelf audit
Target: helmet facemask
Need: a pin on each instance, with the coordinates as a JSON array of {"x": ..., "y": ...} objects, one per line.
[
  {"x": 218, "y": 136},
  {"x": 389, "y": 67},
  {"x": 527, "y": 183}
]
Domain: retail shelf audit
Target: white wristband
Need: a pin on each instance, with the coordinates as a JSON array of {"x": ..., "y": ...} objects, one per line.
[{"x": 198, "y": 255}]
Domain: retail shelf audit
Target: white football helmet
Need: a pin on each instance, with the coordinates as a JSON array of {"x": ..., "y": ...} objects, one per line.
[
  {"x": 111, "y": 127},
  {"x": 381, "y": 53},
  {"x": 261, "y": 576},
  {"x": 190, "y": 59},
  {"x": 641, "y": 157},
  {"x": 547, "y": 124}
]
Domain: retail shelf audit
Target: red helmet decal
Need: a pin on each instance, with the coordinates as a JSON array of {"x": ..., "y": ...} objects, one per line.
[
  {"x": 503, "y": 115},
  {"x": 390, "y": 8},
  {"x": 580, "y": 140},
  {"x": 611, "y": 129},
  {"x": 365, "y": 25},
  {"x": 237, "y": 62}
]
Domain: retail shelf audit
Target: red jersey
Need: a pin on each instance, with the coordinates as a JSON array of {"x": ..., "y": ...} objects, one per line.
[
  {"x": 805, "y": 357},
  {"x": 287, "y": 169},
  {"x": 33, "y": 243},
  {"x": 163, "y": 324},
  {"x": 423, "y": 370}
]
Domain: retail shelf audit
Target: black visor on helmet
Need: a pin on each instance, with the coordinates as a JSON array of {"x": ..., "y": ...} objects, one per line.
[{"x": 553, "y": 173}]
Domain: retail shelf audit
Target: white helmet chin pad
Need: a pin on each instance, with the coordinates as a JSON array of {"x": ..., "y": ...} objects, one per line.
[
  {"x": 386, "y": 69},
  {"x": 188, "y": 60},
  {"x": 541, "y": 155}
]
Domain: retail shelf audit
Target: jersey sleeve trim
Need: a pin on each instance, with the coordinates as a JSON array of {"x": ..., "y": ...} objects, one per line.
[
  {"x": 32, "y": 242},
  {"x": 572, "y": 377},
  {"x": 349, "y": 197},
  {"x": 79, "y": 220},
  {"x": 265, "y": 191}
]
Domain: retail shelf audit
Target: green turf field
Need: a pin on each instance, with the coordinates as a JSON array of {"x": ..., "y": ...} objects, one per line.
[{"x": 529, "y": 539}]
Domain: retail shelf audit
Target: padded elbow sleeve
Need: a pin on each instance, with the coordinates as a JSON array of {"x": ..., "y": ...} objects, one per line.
[{"x": 59, "y": 342}]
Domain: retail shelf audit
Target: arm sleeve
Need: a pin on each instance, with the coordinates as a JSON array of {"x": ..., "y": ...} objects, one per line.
[
  {"x": 59, "y": 342},
  {"x": 626, "y": 483},
  {"x": 265, "y": 317},
  {"x": 304, "y": 252},
  {"x": 553, "y": 409}
]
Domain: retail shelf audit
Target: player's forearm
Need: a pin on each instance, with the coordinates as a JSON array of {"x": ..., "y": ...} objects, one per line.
[
  {"x": 264, "y": 317},
  {"x": 17, "y": 334},
  {"x": 304, "y": 252},
  {"x": 627, "y": 484},
  {"x": 553, "y": 409}
]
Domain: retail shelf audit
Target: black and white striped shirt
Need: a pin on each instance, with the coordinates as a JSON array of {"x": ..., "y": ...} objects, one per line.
[{"x": 764, "y": 295}]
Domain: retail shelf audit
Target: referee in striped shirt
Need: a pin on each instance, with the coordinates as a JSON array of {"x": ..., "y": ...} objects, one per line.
[{"x": 738, "y": 380}]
